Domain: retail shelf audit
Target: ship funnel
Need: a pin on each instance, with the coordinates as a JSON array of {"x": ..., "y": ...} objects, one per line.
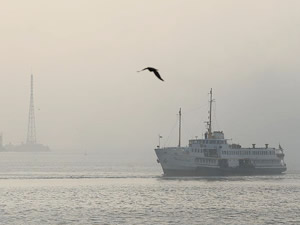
[
  {"x": 253, "y": 145},
  {"x": 267, "y": 145}
]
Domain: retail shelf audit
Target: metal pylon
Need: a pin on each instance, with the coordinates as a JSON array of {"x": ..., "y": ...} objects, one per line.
[{"x": 31, "y": 135}]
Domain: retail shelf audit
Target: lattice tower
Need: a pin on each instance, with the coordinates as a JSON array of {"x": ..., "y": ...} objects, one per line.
[{"x": 31, "y": 134}]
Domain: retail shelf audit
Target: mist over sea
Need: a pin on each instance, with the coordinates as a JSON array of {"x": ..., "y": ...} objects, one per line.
[{"x": 83, "y": 188}]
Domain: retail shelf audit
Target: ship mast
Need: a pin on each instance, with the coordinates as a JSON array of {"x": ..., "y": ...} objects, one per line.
[
  {"x": 179, "y": 144},
  {"x": 210, "y": 109}
]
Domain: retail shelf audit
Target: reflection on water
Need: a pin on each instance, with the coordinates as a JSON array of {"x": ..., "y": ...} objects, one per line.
[
  {"x": 227, "y": 178},
  {"x": 66, "y": 189}
]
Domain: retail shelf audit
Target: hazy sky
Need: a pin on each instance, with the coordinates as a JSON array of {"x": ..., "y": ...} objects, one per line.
[{"x": 84, "y": 56}]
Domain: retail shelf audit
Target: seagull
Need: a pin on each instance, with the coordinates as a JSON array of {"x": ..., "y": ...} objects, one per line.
[{"x": 155, "y": 71}]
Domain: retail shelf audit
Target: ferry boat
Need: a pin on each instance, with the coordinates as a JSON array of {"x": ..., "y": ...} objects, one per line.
[{"x": 215, "y": 156}]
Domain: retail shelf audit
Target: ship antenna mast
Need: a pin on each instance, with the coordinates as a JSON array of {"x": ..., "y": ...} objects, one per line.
[
  {"x": 179, "y": 144},
  {"x": 210, "y": 109}
]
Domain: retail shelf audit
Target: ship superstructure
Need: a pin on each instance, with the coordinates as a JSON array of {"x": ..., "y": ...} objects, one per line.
[{"x": 213, "y": 155}]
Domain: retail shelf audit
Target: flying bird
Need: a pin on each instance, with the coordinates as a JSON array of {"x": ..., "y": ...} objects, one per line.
[{"x": 155, "y": 71}]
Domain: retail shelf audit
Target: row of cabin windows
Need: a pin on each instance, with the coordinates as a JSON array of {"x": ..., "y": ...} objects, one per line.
[
  {"x": 205, "y": 161},
  {"x": 265, "y": 161},
  {"x": 248, "y": 152},
  {"x": 208, "y": 141},
  {"x": 197, "y": 150}
]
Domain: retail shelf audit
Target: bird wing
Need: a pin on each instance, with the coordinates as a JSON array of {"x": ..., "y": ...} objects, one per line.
[
  {"x": 143, "y": 69},
  {"x": 157, "y": 75}
]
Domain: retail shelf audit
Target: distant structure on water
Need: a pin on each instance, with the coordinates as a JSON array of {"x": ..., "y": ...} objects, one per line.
[
  {"x": 31, "y": 143},
  {"x": 1, "y": 143}
]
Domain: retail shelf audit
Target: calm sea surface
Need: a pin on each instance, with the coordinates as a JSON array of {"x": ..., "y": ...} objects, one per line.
[{"x": 53, "y": 188}]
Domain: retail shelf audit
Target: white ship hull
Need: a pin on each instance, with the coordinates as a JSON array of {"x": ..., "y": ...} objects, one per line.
[{"x": 186, "y": 162}]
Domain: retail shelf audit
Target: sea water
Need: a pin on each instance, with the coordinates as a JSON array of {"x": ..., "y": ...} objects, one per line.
[{"x": 56, "y": 188}]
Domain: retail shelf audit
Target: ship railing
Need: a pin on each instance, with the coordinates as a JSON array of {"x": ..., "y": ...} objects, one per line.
[{"x": 174, "y": 148}]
